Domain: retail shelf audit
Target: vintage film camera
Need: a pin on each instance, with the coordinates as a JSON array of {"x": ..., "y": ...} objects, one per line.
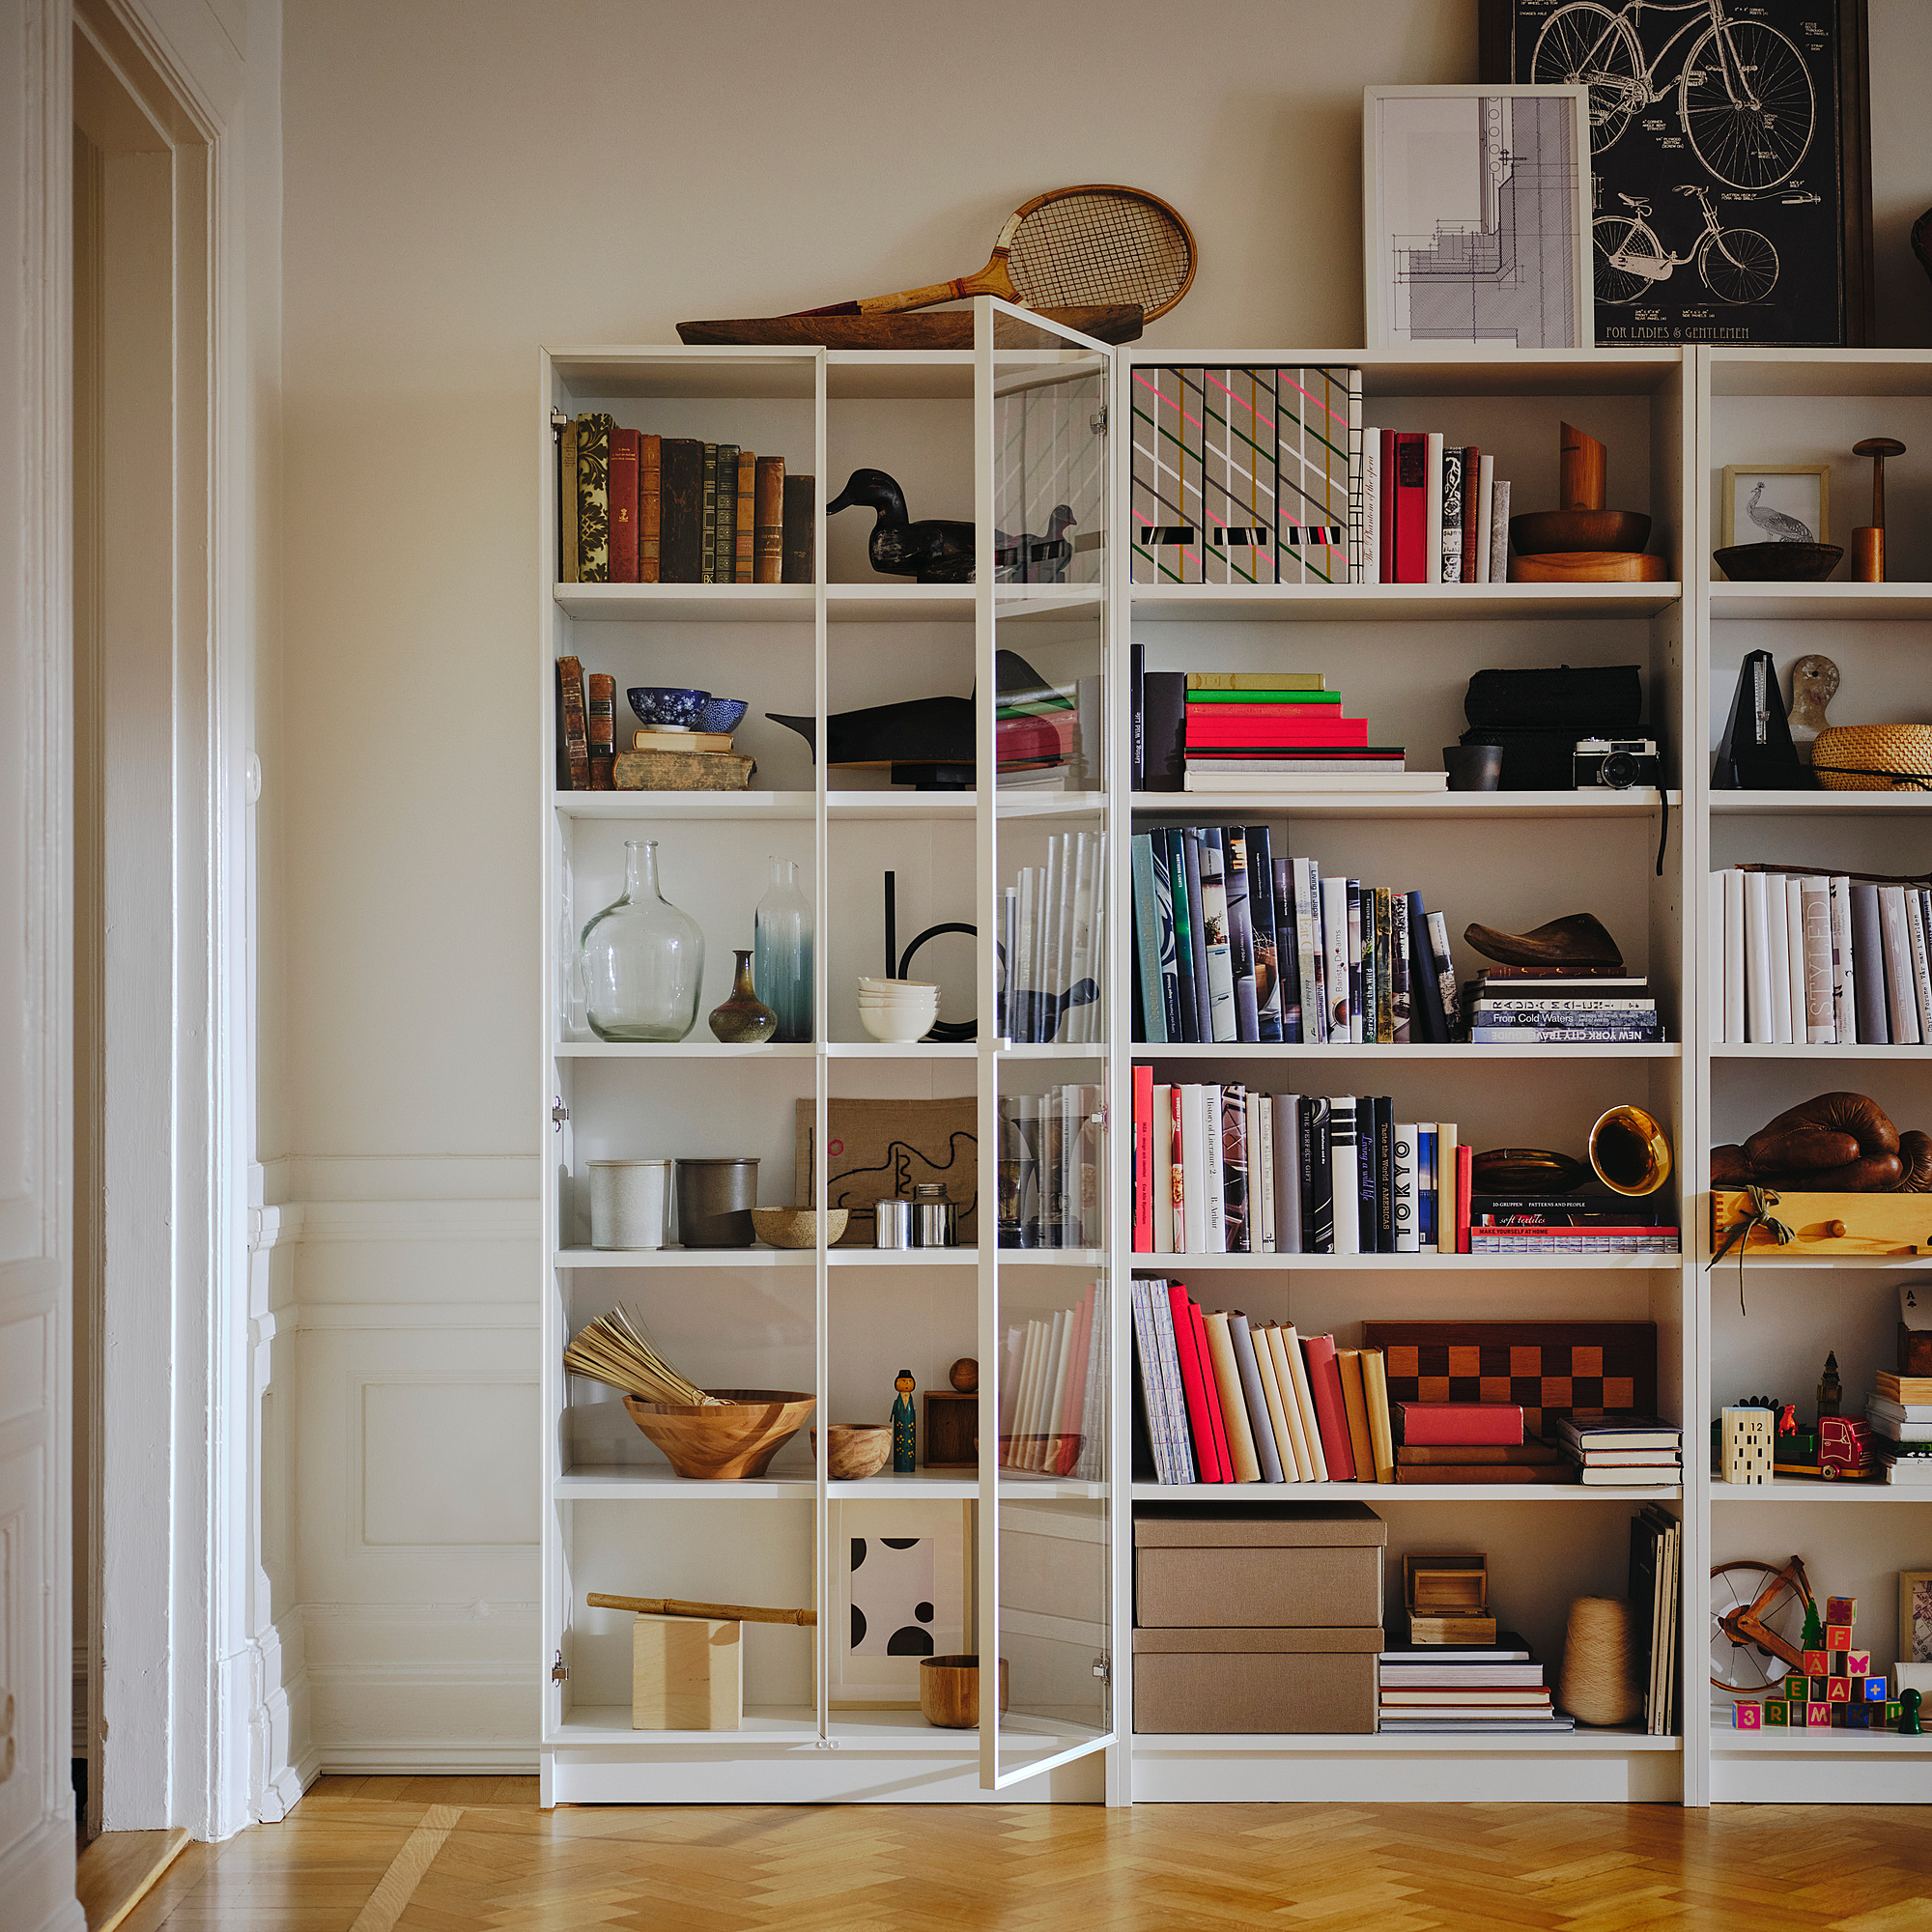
[{"x": 1617, "y": 763}]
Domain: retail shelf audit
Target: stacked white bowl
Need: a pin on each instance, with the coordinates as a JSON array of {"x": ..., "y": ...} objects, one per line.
[{"x": 898, "y": 1011}]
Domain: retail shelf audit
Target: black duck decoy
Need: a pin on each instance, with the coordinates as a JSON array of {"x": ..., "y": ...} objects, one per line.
[
  {"x": 939, "y": 549},
  {"x": 1033, "y": 559}
]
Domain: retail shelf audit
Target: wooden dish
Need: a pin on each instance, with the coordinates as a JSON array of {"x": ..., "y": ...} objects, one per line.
[
  {"x": 797, "y": 1227},
  {"x": 1588, "y": 566},
  {"x": 930, "y": 329},
  {"x": 1778, "y": 562},
  {"x": 855, "y": 1450},
  {"x": 1525, "y": 1171},
  {"x": 949, "y": 1692},
  {"x": 1543, "y": 531},
  {"x": 725, "y": 1444}
]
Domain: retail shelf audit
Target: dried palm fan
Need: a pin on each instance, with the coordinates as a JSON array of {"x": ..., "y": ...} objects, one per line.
[{"x": 615, "y": 1352}]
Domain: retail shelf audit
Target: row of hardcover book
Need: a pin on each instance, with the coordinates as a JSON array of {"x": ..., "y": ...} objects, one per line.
[
  {"x": 1234, "y": 943},
  {"x": 1053, "y": 1392},
  {"x": 636, "y": 508},
  {"x": 1225, "y": 1169},
  {"x": 1052, "y": 941},
  {"x": 1436, "y": 511},
  {"x": 1820, "y": 961},
  {"x": 1511, "y": 1009},
  {"x": 1899, "y": 1411},
  {"x": 1426, "y": 1689}
]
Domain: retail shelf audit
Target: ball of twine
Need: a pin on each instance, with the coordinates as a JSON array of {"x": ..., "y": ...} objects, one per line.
[{"x": 1599, "y": 1685}]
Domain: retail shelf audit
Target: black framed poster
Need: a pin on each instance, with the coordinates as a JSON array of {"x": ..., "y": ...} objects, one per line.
[{"x": 1730, "y": 157}]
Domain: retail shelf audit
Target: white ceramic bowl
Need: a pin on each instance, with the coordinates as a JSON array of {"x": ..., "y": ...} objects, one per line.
[
  {"x": 898, "y": 1008},
  {"x": 895, "y": 1029},
  {"x": 867, "y": 985}
]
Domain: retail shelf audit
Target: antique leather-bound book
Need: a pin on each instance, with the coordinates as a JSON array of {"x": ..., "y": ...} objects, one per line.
[
  {"x": 573, "y": 751},
  {"x": 745, "y": 522},
  {"x": 768, "y": 523},
  {"x": 600, "y": 719},
  {"x": 707, "y": 538},
  {"x": 682, "y": 498},
  {"x": 798, "y": 502},
  {"x": 566, "y": 503},
  {"x": 725, "y": 524},
  {"x": 623, "y": 506},
  {"x": 650, "y": 484},
  {"x": 593, "y": 499}
]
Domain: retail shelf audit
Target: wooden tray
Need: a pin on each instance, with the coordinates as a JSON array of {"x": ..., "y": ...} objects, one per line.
[
  {"x": 921, "y": 328},
  {"x": 1871, "y": 1224}
]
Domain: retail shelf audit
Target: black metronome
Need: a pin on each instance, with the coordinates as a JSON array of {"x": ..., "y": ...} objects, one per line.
[{"x": 1756, "y": 753}]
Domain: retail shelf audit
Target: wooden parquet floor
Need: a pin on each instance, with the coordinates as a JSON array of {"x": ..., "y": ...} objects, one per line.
[{"x": 476, "y": 1855}]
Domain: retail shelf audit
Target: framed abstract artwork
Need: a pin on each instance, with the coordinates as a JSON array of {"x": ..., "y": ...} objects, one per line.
[
  {"x": 1730, "y": 162},
  {"x": 901, "y": 1590},
  {"x": 1475, "y": 216}
]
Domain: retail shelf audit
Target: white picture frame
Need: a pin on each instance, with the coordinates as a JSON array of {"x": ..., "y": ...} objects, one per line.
[
  {"x": 1452, "y": 178},
  {"x": 1801, "y": 491},
  {"x": 866, "y": 1676}
]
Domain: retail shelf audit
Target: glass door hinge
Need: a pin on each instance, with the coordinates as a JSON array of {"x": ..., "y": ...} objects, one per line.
[
  {"x": 1097, "y": 421},
  {"x": 559, "y": 1671},
  {"x": 558, "y": 1113},
  {"x": 557, "y": 419},
  {"x": 1103, "y": 1669}
]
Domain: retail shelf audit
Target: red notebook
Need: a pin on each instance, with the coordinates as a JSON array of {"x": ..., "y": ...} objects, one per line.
[
  {"x": 1331, "y": 1414},
  {"x": 1253, "y": 726},
  {"x": 1211, "y": 1389},
  {"x": 1466, "y": 1154},
  {"x": 1412, "y": 509},
  {"x": 1385, "y": 483},
  {"x": 1458, "y": 1425},
  {"x": 623, "y": 483},
  {"x": 1200, "y": 1424},
  {"x": 1142, "y": 1160}
]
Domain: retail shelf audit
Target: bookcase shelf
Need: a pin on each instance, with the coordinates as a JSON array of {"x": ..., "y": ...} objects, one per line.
[{"x": 1673, "y": 420}]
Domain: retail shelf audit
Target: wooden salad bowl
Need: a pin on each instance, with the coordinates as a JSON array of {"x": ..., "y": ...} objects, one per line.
[{"x": 731, "y": 1442}]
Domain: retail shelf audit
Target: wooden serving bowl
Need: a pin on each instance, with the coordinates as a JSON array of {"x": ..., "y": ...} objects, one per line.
[
  {"x": 1541, "y": 530},
  {"x": 949, "y": 1692},
  {"x": 1778, "y": 562},
  {"x": 1588, "y": 566},
  {"x": 723, "y": 1444},
  {"x": 798, "y": 1227},
  {"x": 855, "y": 1450}
]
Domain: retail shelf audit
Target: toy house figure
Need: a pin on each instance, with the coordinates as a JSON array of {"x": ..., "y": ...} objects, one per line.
[{"x": 1746, "y": 1446}]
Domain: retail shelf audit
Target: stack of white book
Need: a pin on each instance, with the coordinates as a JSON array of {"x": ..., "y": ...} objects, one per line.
[{"x": 1900, "y": 1414}]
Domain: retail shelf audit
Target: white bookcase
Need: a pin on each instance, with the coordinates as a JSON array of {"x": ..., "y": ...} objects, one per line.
[{"x": 840, "y": 1323}]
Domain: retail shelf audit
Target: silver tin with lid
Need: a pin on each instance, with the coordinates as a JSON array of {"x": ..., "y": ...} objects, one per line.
[
  {"x": 892, "y": 1224},
  {"x": 935, "y": 1220}
]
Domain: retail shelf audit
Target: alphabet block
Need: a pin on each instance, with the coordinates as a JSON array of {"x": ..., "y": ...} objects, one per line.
[
  {"x": 1776, "y": 1714},
  {"x": 1815, "y": 1664},
  {"x": 1817, "y": 1716},
  {"x": 1838, "y": 1691},
  {"x": 1858, "y": 1663},
  {"x": 1875, "y": 1690},
  {"x": 1894, "y": 1712},
  {"x": 1746, "y": 1715},
  {"x": 1838, "y": 1637},
  {"x": 1857, "y": 1717},
  {"x": 1796, "y": 1689},
  {"x": 1841, "y": 1609}
]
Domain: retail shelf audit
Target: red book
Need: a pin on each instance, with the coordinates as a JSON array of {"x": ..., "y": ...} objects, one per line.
[
  {"x": 1458, "y": 1425},
  {"x": 650, "y": 514},
  {"x": 1466, "y": 1154},
  {"x": 1211, "y": 1389},
  {"x": 1142, "y": 1160},
  {"x": 1201, "y": 1423},
  {"x": 1472, "y": 499},
  {"x": 1254, "y": 728},
  {"x": 623, "y": 506},
  {"x": 1386, "y": 484},
  {"x": 1331, "y": 1414},
  {"x": 1411, "y": 510}
]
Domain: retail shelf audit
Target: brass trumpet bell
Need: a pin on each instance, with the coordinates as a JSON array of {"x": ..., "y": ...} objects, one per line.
[{"x": 1630, "y": 1151}]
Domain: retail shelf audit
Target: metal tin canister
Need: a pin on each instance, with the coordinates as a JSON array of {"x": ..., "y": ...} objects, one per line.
[
  {"x": 935, "y": 1219},
  {"x": 630, "y": 1203},
  {"x": 892, "y": 1224},
  {"x": 715, "y": 1199}
]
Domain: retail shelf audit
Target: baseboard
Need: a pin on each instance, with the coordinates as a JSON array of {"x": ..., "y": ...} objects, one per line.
[{"x": 426, "y": 1760}]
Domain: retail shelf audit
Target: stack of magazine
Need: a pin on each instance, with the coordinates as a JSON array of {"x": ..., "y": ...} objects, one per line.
[{"x": 1655, "y": 1562}]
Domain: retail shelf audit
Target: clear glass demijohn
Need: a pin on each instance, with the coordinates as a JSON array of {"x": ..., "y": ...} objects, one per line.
[{"x": 643, "y": 958}]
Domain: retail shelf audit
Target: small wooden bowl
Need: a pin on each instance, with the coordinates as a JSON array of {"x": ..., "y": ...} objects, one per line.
[
  {"x": 855, "y": 1450},
  {"x": 797, "y": 1227},
  {"x": 1588, "y": 566},
  {"x": 1526, "y": 1171},
  {"x": 949, "y": 1692},
  {"x": 725, "y": 1444},
  {"x": 1778, "y": 562},
  {"x": 1542, "y": 531}
]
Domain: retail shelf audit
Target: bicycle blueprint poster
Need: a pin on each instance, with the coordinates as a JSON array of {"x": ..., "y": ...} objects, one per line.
[{"x": 1717, "y": 210}]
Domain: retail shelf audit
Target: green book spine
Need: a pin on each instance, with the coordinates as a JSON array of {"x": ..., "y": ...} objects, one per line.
[
  {"x": 593, "y": 499},
  {"x": 708, "y": 530},
  {"x": 725, "y": 522}
]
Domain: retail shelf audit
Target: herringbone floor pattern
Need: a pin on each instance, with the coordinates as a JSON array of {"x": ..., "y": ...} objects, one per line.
[{"x": 476, "y": 1855}]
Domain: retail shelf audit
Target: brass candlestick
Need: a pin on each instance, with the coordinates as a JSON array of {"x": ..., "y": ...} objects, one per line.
[{"x": 1868, "y": 542}]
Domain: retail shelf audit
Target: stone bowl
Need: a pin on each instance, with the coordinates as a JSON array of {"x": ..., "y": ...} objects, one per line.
[
  {"x": 855, "y": 1450},
  {"x": 798, "y": 1227},
  {"x": 1778, "y": 562},
  {"x": 666, "y": 707}
]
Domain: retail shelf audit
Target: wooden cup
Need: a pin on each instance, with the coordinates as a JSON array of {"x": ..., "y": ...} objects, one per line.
[{"x": 949, "y": 1692}]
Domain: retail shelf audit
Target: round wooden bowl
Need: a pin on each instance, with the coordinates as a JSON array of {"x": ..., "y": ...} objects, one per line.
[
  {"x": 1526, "y": 1171},
  {"x": 949, "y": 1691},
  {"x": 798, "y": 1227},
  {"x": 1588, "y": 566},
  {"x": 1778, "y": 562},
  {"x": 855, "y": 1450},
  {"x": 723, "y": 1444},
  {"x": 1542, "y": 531}
]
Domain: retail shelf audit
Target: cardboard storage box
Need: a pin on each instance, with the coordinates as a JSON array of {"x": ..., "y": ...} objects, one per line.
[
  {"x": 1307, "y": 1681},
  {"x": 1266, "y": 1566}
]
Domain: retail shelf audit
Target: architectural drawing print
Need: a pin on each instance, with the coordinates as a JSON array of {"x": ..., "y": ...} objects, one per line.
[{"x": 1479, "y": 214}]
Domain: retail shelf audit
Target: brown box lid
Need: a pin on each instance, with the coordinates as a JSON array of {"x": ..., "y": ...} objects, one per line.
[
  {"x": 1256, "y": 1525},
  {"x": 1350, "y": 1637}
]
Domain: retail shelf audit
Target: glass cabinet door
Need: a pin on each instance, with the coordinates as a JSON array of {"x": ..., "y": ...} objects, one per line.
[{"x": 1045, "y": 1555}]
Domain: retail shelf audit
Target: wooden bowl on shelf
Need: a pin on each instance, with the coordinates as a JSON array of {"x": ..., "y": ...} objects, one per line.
[
  {"x": 1588, "y": 566},
  {"x": 1538, "y": 531},
  {"x": 798, "y": 1227},
  {"x": 949, "y": 1692},
  {"x": 1778, "y": 562},
  {"x": 855, "y": 1450},
  {"x": 730, "y": 1441}
]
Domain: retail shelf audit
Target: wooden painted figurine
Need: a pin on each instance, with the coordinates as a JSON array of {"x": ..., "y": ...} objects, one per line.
[
  {"x": 905, "y": 1426},
  {"x": 937, "y": 551},
  {"x": 1908, "y": 1725}
]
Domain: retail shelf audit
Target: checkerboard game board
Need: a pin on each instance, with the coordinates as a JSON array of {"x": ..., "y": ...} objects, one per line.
[{"x": 1551, "y": 1367}]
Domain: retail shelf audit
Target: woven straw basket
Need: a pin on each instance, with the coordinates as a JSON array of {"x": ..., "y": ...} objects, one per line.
[{"x": 1874, "y": 757}]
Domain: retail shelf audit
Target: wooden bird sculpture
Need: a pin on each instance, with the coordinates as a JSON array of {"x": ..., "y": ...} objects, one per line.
[
  {"x": 936, "y": 550},
  {"x": 1775, "y": 524},
  {"x": 1035, "y": 559}
]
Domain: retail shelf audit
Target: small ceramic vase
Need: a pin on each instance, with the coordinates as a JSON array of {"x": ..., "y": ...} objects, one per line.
[{"x": 744, "y": 1019}]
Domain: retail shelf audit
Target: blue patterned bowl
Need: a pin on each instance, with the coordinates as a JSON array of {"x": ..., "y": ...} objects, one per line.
[
  {"x": 722, "y": 714},
  {"x": 659, "y": 705}
]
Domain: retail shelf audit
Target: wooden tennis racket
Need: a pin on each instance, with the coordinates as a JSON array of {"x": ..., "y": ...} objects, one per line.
[{"x": 1072, "y": 247}]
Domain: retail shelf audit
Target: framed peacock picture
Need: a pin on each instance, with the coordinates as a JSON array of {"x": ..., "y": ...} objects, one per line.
[{"x": 1775, "y": 502}]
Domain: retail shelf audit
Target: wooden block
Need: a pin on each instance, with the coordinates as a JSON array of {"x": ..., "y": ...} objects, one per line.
[
  {"x": 1858, "y": 1663},
  {"x": 1894, "y": 1712},
  {"x": 1876, "y": 1690},
  {"x": 1857, "y": 1717},
  {"x": 1820, "y": 1687},
  {"x": 1841, "y": 1609},
  {"x": 1842, "y": 1662},
  {"x": 1452, "y": 1630},
  {"x": 1746, "y": 1715},
  {"x": 1818, "y": 1716},
  {"x": 1838, "y": 1691},
  {"x": 1797, "y": 1688},
  {"x": 687, "y": 1674},
  {"x": 951, "y": 1430},
  {"x": 1838, "y": 1637},
  {"x": 1446, "y": 1563},
  {"x": 1776, "y": 1712},
  {"x": 1875, "y": 1224},
  {"x": 1814, "y": 1664}
]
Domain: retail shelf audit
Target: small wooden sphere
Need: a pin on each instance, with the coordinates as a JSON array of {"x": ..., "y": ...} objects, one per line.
[{"x": 964, "y": 1375}]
